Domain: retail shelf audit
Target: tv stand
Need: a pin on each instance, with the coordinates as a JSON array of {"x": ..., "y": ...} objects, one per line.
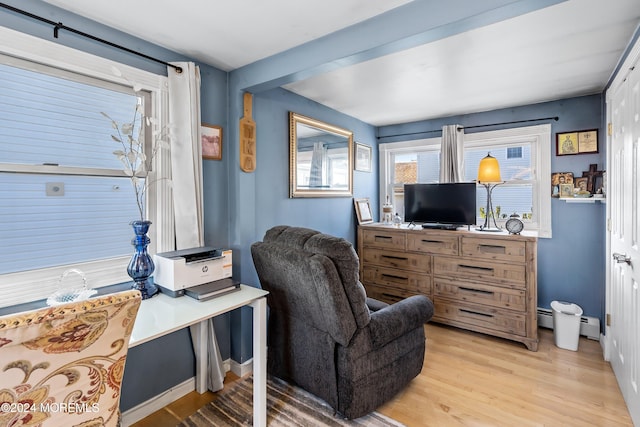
[{"x": 438, "y": 226}]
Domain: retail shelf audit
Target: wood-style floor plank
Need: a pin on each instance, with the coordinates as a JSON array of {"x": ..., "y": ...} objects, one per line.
[{"x": 470, "y": 379}]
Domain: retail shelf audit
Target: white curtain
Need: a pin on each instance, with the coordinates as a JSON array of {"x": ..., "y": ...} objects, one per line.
[
  {"x": 186, "y": 154},
  {"x": 317, "y": 165},
  {"x": 452, "y": 154},
  {"x": 186, "y": 178}
]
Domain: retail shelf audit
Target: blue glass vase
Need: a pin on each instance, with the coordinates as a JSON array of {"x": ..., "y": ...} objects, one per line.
[{"x": 141, "y": 265}]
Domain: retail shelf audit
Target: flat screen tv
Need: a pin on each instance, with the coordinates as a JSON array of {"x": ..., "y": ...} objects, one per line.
[{"x": 440, "y": 205}]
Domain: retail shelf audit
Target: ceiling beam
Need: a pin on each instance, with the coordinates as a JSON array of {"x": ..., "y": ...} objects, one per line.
[{"x": 407, "y": 26}]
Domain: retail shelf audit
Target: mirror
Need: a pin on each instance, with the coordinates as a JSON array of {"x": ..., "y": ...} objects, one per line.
[{"x": 320, "y": 158}]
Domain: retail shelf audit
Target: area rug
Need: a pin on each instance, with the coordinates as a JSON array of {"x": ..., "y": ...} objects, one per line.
[{"x": 287, "y": 405}]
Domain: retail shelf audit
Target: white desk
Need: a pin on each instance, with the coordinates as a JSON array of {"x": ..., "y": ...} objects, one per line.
[{"x": 161, "y": 315}]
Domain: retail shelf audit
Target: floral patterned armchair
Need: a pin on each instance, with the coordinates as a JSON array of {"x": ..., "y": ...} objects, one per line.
[{"x": 63, "y": 365}]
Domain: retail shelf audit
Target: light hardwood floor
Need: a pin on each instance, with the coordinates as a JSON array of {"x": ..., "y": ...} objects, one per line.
[{"x": 470, "y": 379}]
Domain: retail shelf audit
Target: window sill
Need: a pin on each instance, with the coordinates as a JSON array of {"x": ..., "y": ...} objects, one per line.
[{"x": 34, "y": 305}]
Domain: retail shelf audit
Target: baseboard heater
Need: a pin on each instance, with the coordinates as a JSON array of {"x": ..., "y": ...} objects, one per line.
[{"x": 589, "y": 326}]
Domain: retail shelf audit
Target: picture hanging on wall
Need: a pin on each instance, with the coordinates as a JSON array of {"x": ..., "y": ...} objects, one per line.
[
  {"x": 577, "y": 142},
  {"x": 211, "y": 142},
  {"x": 362, "y": 157}
]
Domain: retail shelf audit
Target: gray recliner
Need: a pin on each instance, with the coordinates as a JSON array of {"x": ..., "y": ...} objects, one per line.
[{"x": 324, "y": 334}]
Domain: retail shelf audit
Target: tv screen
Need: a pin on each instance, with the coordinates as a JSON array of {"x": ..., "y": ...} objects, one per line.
[{"x": 453, "y": 203}]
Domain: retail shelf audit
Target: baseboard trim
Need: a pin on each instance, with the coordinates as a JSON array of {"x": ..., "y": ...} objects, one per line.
[
  {"x": 242, "y": 369},
  {"x": 158, "y": 402},
  {"x": 144, "y": 409}
]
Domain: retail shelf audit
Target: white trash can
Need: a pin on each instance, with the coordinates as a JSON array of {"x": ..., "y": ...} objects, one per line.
[{"x": 566, "y": 324}]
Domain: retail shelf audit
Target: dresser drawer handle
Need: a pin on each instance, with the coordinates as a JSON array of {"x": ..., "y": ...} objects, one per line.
[
  {"x": 475, "y": 267},
  {"x": 476, "y": 313},
  {"x": 395, "y": 257},
  {"x": 393, "y": 297},
  {"x": 494, "y": 249},
  {"x": 382, "y": 237},
  {"x": 391, "y": 276},
  {"x": 438, "y": 242},
  {"x": 477, "y": 291}
]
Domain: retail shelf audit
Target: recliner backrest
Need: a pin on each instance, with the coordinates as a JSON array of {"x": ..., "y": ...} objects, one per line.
[{"x": 314, "y": 276}]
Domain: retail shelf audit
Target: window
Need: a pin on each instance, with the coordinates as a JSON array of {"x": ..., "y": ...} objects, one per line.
[
  {"x": 65, "y": 201},
  {"x": 514, "y": 152},
  {"x": 524, "y": 157},
  {"x": 412, "y": 162}
]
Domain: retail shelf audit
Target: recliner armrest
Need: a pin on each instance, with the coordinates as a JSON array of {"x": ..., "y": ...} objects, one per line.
[
  {"x": 375, "y": 305},
  {"x": 397, "y": 319}
]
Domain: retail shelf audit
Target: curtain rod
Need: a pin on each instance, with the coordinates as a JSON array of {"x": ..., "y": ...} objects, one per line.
[
  {"x": 57, "y": 26},
  {"x": 556, "y": 118}
]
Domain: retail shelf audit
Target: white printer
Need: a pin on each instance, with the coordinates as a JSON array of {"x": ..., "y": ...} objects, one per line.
[{"x": 177, "y": 270}]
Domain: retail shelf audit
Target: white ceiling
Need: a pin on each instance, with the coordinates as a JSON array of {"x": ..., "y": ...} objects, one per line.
[{"x": 565, "y": 50}]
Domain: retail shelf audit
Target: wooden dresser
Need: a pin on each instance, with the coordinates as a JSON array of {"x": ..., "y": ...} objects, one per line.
[{"x": 484, "y": 282}]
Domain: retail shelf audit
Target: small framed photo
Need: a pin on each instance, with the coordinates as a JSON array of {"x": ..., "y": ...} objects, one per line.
[
  {"x": 363, "y": 210},
  {"x": 581, "y": 184},
  {"x": 211, "y": 142},
  {"x": 577, "y": 142},
  {"x": 566, "y": 190},
  {"x": 362, "y": 157},
  {"x": 559, "y": 178}
]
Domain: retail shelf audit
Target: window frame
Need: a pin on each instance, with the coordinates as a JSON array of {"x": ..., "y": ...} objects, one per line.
[
  {"x": 21, "y": 287},
  {"x": 538, "y": 136}
]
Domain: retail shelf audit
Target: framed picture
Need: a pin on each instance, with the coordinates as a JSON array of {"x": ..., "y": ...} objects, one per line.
[
  {"x": 577, "y": 142},
  {"x": 581, "y": 184},
  {"x": 566, "y": 190},
  {"x": 362, "y": 157},
  {"x": 559, "y": 178},
  {"x": 211, "y": 142},
  {"x": 363, "y": 211}
]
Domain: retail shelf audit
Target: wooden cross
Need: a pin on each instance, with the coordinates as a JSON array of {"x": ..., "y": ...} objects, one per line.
[{"x": 591, "y": 176}]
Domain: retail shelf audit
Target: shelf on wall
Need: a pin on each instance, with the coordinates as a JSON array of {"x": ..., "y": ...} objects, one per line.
[{"x": 583, "y": 199}]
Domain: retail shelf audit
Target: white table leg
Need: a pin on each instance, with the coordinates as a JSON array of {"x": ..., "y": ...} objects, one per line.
[
  {"x": 259, "y": 362},
  {"x": 200, "y": 338}
]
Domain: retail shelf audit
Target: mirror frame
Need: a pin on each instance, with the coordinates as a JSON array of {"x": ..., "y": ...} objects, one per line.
[{"x": 294, "y": 191}]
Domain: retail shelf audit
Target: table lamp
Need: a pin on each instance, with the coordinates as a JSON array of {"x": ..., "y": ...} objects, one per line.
[{"x": 489, "y": 176}]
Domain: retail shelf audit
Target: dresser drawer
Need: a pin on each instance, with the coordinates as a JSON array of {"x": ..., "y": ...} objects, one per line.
[
  {"x": 384, "y": 239},
  {"x": 494, "y": 272},
  {"x": 407, "y": 280},
  {"x": 403, "y": 260},
  {"x": 474, "y": 315},
  {"x": 388, "y": 294},
  {"x": 473, "y": 292},
  {"x": 433, "y": 244},
  {"x": 503, "y": 250}
]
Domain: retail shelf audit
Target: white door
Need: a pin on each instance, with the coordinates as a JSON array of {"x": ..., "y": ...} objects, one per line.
[{"x": 623, "y": 293}]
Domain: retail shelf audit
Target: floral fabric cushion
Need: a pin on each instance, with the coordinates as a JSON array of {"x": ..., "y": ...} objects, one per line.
[{"x": 63, "y": 365}]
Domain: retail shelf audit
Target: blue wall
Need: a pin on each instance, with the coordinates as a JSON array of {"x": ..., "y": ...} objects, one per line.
[
  {"x": 264, "y": 195},
  {"x": 571, "y": 264}
]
